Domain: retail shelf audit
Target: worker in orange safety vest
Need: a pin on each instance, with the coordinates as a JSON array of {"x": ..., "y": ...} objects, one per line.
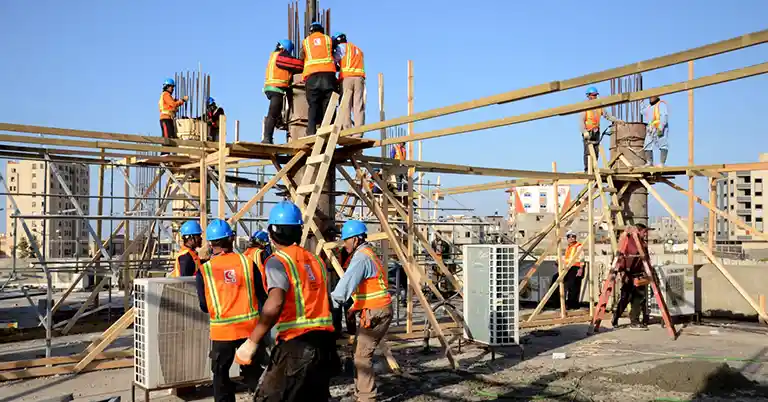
[
  {"x": 304, "y": 358},
  {"x": 230, "y": 291},
  {"x": 168, "y": 107},
  {"x": 187, "y": 262},
  {"x": 351, "y": 64},
  {"x": 589, "y": 125},
  {"x": 259, "y": 251},
  {"x": 365, "y": 280},
  {"x": 574, "y": 258},
  {"x": 319, "y": 74},
  {"x": 277, "y": 85}
]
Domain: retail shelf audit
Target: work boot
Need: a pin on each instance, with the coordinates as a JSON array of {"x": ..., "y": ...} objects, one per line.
[
  {"x": 638, "y": 326},
  {"x": 648, "y": 158},
  {"x": 663, "y": 156},
  {"x": 269, "y": 130}
]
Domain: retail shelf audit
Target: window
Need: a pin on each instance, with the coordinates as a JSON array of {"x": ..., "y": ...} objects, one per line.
[
  {"x": 539, "y": 218},
  {"x": 758, "y": 206},
  {"x": 758, "y": 180},
  {"x": 758, "y": 193},
  {"x": 34, "y": 175},
  {"x": 13, "y": 179},
  {"x": 34, "y": 185},
  {"x": 13, "y": 170},
  {"x": 759, "y": 219},
  {"x": 34, "y": 166},
  {"x": 467, "y": 235},
  {"x": 34, "y": 204}
]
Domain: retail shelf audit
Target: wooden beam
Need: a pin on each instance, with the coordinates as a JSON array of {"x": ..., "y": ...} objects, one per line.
[
  {"x": 371, "y": 237},
  {"x": 690, "y": 162},
  {"x": 506, "y": 184},
  {"x": 588, "y": 105},
  {"x": 92, "y": 144},
  {"x": 112, "y": 333},
  {"x": 683, "y": 170},
  {"x": 223, "y": 151},
  {"x": 63, "y": 370},
  {"x": 52, "y": 361}
]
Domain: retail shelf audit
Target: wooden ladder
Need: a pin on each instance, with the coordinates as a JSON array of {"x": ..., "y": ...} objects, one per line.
[
  {"x": 347, "y": 208},
  {"x": 319, "y": 161}
]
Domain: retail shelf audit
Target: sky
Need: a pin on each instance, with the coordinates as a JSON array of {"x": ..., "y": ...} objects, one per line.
[{"x": 98, "y": 65}]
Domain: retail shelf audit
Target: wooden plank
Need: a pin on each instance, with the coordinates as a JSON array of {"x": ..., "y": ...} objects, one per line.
[
  {"x": 761, "y": 301},
  {"x": 222, "y": 185},
  {"x": 589, "y": 104},
  {"x": 712, "y": 49},
  {"x": 690, "y": 162},
  {"x": 562, "y": 269},
  {"x": 703, "y": 247},
  {"x": 503, "y": 185},
  {"x": 91, "y": 144},
  {"x": 52, "y": 361},
  {"x": 63, "y": 370},
  {"x": 371, "y": 237},
  {"x": 555, "y": 321},
  {"x": 112, "y": 333}
]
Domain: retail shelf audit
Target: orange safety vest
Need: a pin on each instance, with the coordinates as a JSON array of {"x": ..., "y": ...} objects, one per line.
[
  {"x": 162, "y": 106},
  {"x": 177, "y": 268},
  {"x": 254, "y": 253},
  {"x": 592, "y": 119},
  {"x": 307, "y": 306},
  {"x": 229, "y": 294},
  {"x": 275, "y": 76},
  {"x": 570, "y": 253},
  {"x": 352, "y": 64},
  {"x": 400, "y": 152},
  {"x": 657, "y": 114},
  {"x": 318, "y": 57},
  {"x": 371, "y": 293}
]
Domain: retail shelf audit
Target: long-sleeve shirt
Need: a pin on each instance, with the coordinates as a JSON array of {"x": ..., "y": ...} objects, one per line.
[
  {"x": 170, "y": 105},
  {"x": 339, "y": 52},
  {"x": 361, "y": 267},
  {"x": 605, "y": 114},
  {"x": 187, "y": 265},
  {"x": 258, "y": 288},
  {"x": 647, "y": 111}
]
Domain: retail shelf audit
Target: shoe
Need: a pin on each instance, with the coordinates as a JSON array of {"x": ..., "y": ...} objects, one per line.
[
  {"x": 615, "y": 323},
  {"x": 638, "y": 327},
  {"x": 661, "y": 165},
  {"x": 267, "y": 141}
]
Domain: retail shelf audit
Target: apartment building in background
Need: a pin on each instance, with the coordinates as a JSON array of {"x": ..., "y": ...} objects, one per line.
[{"x": 28, "y": 181}]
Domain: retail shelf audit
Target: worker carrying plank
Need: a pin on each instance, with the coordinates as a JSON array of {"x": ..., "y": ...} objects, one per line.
[
  {"x": 168, "y": 107},
  {"x": 634, "y": 283},
  {"x": 230, "y": 291},
  {"x": 589, "y": 125},
  {"x": 187, "y": 262},
  {"x": 574, "y": 254},
  {"x": 213, "y": 113},
  {"x": 351, "y": 66},
  {"x": 365, "y": 280},
  {"x": 277, "y": 85},
  {"x": 304, "y": 359},
  {"x": 656, "y": 130},
  {"x": 319, "y": 74}
]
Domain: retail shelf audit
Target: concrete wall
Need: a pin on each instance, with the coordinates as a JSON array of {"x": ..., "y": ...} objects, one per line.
[{"x": 719, "y": 298}]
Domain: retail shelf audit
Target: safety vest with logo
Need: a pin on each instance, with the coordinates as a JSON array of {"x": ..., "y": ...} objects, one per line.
[
  {"x": 307, "y": 306},
  {"x": 592, "y": 119},
  {"x": 255, "y": 253},
  {"x": 177, "y": 268},
  {"x": 352, "y": 64},
  {"x": 229, "y": 294},
  {"x": 318, "y": 57},
  {"x": 571, "y": 252},
  {"x": 371, "y": 293},
  {"x": 656, "y": 121},
  {"x": 276, "y": 77}
]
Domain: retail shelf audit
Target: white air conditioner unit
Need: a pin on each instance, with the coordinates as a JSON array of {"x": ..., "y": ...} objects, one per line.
[
  {"x": 677, "y": 285},
  {"x": 171, "y": 335},
  {"x": 491, "y": 300}
]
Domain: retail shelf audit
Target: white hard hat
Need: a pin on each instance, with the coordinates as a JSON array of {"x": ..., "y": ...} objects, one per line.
[{"x": 570, "y": 233}]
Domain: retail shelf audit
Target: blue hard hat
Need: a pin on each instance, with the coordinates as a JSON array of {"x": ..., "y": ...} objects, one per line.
[
  {"x": 337, "y": 34},
  {"x": 286, "y": 44},
  {"x": 314, "y": 26},
  {"x": 190, "y": 228},
  {"x": 169, "y": 81},
  {"x": 592, "y": 90},
  {"x": 261, "y": 236},
  {"x": 211, "y": 100},
  {"x": 285, "y": 213},
  {"x": 353, "y": 228},
  {"x": 218, "y": 229}
]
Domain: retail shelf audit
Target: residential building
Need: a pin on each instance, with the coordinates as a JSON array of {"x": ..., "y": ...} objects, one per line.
[
  {"x": 741, "y": 194},
  {"x": 29, "y": 181}
]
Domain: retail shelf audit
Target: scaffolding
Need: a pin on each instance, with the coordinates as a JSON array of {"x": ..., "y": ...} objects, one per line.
[{"x": 402, "y": 235}]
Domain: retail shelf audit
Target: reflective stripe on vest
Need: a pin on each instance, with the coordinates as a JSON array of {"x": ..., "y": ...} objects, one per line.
[
  {"x": 322, "y": 58},
  {"x": 298, "y": 317},
  {"x": 592, "y": 119},
  {"x": 275, "y": 76},
  {"x": 177, "y": 268},
  {"x": 570, "y": 252},
  {"x": 657, "y": 114},
  {"x": 215, "y": 310},
  {"x": 370, "y": 288},
  {"x": 352, "y": 65},
  {"x": 160, "y": 105}
]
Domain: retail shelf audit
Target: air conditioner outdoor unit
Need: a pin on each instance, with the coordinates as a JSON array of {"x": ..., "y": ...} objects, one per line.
[
  {"x": 677, "y": 285},
  {"x": 540, "y": 281},
  {"x": 491, "y": 299},
  {"x": 171, "y": 336}
]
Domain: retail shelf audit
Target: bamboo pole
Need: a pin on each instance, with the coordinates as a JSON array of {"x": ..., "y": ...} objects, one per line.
[{"x": 690, "y": 162}]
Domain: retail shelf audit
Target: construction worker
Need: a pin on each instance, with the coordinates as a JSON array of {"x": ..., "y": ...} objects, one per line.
[
  {"x": 634, "y": 282},
  {"x": 230, "y": 291},
  {"x": 656, "y": 131},
  {"x": 399, "y": 152},
  {"x": 212, "y": 114},
  {"x": 589, "y": 125},
  {"x": 187, "y": 262},
  {"x": 277, "y": 85},
  {"x": 259, "y": 251},
  {"x": 168, "y": 107},
  {"x": 352, "y": 77},
  {"x": 319, "y": 74},
  {"x": 574, "y": 255},
  {"x": 304, "y": 358},
  {"x": 365, "y": 279}
]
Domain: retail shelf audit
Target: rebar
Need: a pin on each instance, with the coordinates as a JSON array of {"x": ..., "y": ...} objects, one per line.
[{"x": 629, "y": 112}]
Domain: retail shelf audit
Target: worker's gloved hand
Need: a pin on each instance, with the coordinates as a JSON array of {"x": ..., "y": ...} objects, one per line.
[
  {"x": 659, "y": 133},
  {"x": 185, "y": 98},
  {"x": 585, "y": 134},
  {"x": 245, "y": 352}
]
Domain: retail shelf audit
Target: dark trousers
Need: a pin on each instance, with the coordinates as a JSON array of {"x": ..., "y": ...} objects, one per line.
[
  {"x": 635, "y": 297},
  {"x": 222, "y": 355},
  {"x": 319, "y": 87},
  {"x": 301, "y": 369},
  {"x": 594, "y": 140},
  {"x": 273, "y": 115},
  {"x": 343, "y": 313},
  {"x": 572, "y": 284},
  {"x": 168, "y": 128}
]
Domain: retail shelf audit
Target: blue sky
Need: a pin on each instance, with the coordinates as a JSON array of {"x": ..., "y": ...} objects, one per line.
[{"x": 99, "y": 65}]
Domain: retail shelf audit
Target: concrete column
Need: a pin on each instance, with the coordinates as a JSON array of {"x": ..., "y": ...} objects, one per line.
[{"x": 628, "y": 140}]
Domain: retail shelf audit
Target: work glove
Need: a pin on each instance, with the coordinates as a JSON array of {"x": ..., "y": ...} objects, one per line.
[
  {"x": 585, "y": 134},
  {"x": 659, "y": 133},
  {"x": 185, "y": 98},
  {"x": 245, "y": 352}
]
